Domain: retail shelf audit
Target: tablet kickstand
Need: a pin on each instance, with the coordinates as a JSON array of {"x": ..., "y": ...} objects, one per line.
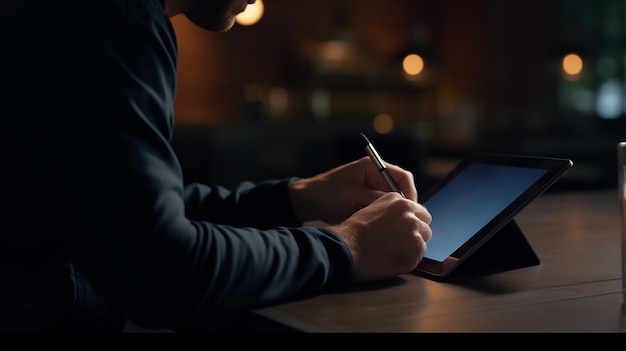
[{"x": 507, "y": 249}]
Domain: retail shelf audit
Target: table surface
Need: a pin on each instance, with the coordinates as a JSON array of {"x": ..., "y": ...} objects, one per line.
[{"x": 577, "y": 287}]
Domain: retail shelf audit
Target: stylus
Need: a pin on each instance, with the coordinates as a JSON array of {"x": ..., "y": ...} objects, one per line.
[{"x": 378, "y": 161}]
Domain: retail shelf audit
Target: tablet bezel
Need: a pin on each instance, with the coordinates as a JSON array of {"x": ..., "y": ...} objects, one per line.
[{"x": 555, "y": 168}]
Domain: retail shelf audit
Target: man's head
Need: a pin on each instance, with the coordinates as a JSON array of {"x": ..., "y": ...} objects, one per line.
[{"x": 214, "y": 15}]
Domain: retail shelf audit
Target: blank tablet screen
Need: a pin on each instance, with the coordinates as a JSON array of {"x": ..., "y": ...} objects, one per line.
[{"x": 470, "y": 200}]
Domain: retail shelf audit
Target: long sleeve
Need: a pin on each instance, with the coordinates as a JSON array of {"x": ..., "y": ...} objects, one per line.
[{"x": 104, "y": 188}]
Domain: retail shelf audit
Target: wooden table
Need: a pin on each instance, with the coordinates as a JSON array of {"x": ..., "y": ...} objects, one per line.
[{"x": 577, "y": 287}]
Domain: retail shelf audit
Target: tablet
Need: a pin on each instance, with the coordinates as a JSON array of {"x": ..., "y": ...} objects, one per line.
[{"x": 479, "y": 198}]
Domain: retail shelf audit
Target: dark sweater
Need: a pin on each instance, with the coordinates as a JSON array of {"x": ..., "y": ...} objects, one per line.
[{"x": 96, "y": 225}]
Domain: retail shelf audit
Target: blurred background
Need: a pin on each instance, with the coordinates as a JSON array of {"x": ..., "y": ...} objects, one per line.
[{"x": 287, "y": 90}]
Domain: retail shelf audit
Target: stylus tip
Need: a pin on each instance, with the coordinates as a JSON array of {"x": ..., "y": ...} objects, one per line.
[{"x": 366, "y": 139}]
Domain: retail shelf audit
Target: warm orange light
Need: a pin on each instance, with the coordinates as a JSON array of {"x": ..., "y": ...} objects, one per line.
[
  {"x": 413, "y": 64},
  {"x": 383, "y": 123},
  {"x": 572, "y": 64},
  {"x": 252, "y": 14}
]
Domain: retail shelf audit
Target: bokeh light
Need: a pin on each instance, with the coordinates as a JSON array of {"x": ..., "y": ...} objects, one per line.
[
  {"x": 383, "y": 123},
  {"x": 252, "y": 14},
  {"x": 413, "y": 64},
  {"x": 572, "y": 65}
]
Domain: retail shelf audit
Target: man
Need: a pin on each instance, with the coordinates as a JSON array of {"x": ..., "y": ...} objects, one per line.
[{"x": 97, "y": 227}]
